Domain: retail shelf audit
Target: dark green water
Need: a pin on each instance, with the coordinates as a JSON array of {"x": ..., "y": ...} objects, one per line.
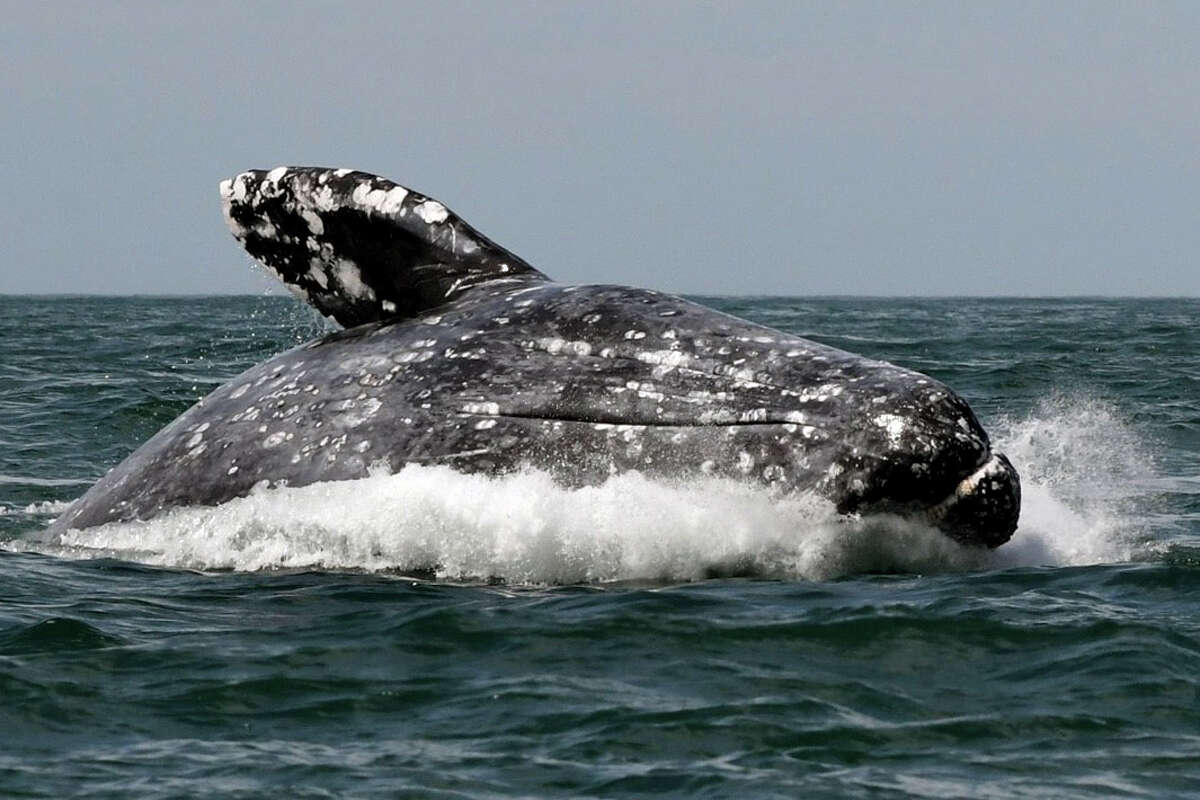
[{"x": 273, "y": 647}]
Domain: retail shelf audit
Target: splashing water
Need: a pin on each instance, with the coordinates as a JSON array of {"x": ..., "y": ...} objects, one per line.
[{"x": 1083, "y": 474}]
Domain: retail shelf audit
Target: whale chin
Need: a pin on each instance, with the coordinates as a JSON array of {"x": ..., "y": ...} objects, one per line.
[{"x": 983, "y": 508}]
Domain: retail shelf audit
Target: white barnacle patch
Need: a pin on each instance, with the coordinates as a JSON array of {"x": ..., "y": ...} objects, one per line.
[
  {"x": 744, "y": 378},
  {"x": 745, "y": 462},
  {"x": 316, "y": 271},
  {"x": 635, "y": 334},
  {"x": 432, "y": 212},
  {"x": 717, "y": 416},
  {"x": 350, "y": 277},
  {"x": 484, "y": 424},
  {"x": 240, "y": 188},
  {"x": 359, "y": 195},
  {"x": 388, "y": 306},
  {"x": 893, "y": 424},
  {"x": 360, "y": 365},
  {"x": 415, "y": 356},
  {"x": 647, "y": 392},
  {"x": 248, "y": 415},
  {"x": 753, "y": 415},
  {"x": 359, "y": 412},
  {"x": 591, "y": 319},
  {"x": 554, "y": 346},
  {"x": 392, "y": 200},
  {"x": 798, "y": 417},
  {"x": 374, "y": 199},
  {"x": 232, "y": 470},
  {"x": 487, "y": 408},
  {"x": 664, "y": 358},
  {"x": 314, "y": 222},
  {"x": 274, "y": 440},
  {"x": 323, "y": 200}
]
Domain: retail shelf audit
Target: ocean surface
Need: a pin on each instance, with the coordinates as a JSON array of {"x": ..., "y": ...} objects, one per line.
[{"x": 635, "y": 639}]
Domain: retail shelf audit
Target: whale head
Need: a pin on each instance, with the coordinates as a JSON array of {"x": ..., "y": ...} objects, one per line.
[{"x": 915, "y": 448}]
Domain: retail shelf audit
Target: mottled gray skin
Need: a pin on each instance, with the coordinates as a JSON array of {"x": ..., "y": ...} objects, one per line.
[{"x": 498, "y": 369}]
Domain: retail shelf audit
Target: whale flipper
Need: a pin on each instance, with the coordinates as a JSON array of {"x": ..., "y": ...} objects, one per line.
[{"x": 358, "y": 247}]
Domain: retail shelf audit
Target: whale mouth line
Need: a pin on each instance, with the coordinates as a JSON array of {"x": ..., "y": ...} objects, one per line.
[
  {"x": 642, "y": 423},
  {"x": 982, "y": 508},
  {"x": 967, "y": 486}
]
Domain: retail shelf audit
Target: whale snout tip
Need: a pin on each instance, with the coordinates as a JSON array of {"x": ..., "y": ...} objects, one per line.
[{"x": 984, "y": 507}]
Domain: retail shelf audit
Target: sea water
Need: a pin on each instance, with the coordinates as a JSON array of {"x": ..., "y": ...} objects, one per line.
[{"x": 431, "y": 634}]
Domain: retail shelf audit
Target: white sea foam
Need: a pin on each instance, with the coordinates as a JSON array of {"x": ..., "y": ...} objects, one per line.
[
  {"x": 1085, "y": 472},
  {"x": 1077, "y": 459}
]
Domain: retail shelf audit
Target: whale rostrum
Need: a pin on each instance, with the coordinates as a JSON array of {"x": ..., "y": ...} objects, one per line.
[{"x": 457, "y": 352}]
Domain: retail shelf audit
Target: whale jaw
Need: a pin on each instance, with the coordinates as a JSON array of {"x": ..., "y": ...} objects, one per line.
[{"x": 984, "y": 507}]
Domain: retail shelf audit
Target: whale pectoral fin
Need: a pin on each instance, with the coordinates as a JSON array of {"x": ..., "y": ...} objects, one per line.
[{"x": 358, "y": 247}]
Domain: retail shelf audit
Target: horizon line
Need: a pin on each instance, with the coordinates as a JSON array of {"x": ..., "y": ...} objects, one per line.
[{"x": 744, "y": 296}]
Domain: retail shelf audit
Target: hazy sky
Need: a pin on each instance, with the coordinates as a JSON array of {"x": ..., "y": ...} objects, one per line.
[{"x": 754, "y": 148}]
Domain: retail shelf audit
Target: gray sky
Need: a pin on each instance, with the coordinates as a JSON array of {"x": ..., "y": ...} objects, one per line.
[{"x": 861, "y": 148}]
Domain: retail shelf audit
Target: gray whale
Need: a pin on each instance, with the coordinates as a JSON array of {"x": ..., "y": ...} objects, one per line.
[{"x": 457, "y": 352}]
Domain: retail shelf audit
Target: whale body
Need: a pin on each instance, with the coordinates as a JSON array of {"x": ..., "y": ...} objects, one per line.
[{"x": 457, "y": 352}]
